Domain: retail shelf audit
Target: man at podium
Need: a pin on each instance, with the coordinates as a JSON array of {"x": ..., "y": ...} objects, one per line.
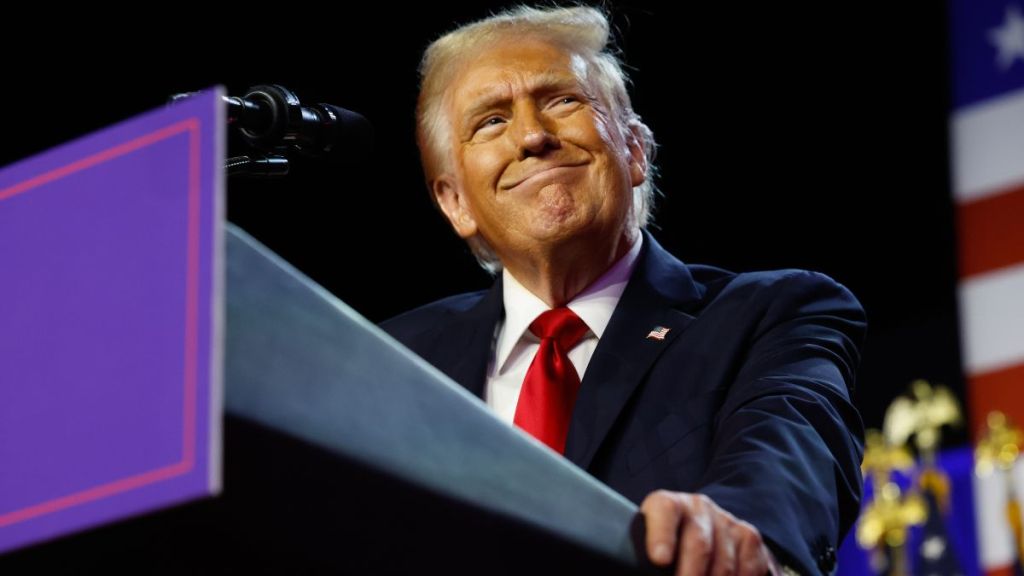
[{"x": 719, "y": 401}]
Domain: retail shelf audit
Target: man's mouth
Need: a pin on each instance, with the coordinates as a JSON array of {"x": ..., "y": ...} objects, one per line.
[{"x": 543, "y": 171}]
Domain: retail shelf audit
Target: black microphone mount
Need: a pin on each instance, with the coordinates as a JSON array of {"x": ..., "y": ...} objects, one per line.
[{"x": 271, "y": 120}]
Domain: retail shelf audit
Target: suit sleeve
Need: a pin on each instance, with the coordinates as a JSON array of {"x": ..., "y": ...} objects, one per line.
[{"x": 788, "y": 443}]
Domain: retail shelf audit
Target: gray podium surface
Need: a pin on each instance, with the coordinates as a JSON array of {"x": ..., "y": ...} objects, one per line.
[{"x": 300, "y": 361}]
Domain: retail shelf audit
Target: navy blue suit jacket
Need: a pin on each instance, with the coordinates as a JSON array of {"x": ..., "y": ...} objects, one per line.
[{"x": 746, "y": 400}]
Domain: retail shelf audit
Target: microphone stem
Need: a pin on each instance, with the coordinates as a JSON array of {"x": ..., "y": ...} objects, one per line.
[{"x": 262, "y": 166}]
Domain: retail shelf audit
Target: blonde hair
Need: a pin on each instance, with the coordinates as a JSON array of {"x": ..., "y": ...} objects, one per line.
[{"x": 580, "y": 29}]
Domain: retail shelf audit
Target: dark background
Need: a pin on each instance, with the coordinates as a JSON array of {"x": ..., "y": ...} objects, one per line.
[{"x": 790, "y": 137}]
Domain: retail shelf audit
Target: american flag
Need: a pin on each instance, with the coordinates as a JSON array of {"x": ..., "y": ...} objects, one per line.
[
  {"x": 658, "y": 333},
  {"x": 987, "y": 153}
]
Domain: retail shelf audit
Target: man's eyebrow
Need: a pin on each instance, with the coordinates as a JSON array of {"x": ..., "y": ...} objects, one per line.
[{"x": 494, "y": 97}]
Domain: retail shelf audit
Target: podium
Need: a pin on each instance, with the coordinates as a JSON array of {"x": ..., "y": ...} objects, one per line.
[{"x": 346, "y": 453}]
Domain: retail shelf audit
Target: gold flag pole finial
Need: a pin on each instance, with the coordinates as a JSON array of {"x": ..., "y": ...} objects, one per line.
[
  {"x": 999, "y": 446},
  {"x": 886, "y": 520},
  {"x": 921, "y": 416},
  {"x": 997, "y": 452}
]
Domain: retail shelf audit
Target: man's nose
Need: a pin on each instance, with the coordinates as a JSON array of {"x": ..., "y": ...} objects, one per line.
[{"x": 535, "y": 133}]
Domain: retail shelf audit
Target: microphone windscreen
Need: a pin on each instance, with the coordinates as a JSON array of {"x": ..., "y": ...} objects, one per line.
[{"x": 353, "y": 136}]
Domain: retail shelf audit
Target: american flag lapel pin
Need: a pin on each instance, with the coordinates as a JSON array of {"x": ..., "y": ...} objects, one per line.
[{"x": 658, "y": 333}]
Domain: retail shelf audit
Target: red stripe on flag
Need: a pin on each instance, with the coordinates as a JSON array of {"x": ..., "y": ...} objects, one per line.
[
  {"x": 1001, "y": 571},
  {"x": 991, "y": 232},
  {"x": 1001, "y": 390}
]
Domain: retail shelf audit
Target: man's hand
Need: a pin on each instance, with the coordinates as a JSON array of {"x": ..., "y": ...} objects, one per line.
[{"x": 702, "y": 538}]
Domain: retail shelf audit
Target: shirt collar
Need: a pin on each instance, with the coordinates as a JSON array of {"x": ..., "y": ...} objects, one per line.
[{"x": 594, "y": 305}]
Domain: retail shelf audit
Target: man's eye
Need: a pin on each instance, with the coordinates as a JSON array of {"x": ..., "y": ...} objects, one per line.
[
  {"x": 566, "y": 100},
  {"x": 492, "y": 121}
]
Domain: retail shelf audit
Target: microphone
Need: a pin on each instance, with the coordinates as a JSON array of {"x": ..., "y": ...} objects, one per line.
[{"x": 270, "y": 117}]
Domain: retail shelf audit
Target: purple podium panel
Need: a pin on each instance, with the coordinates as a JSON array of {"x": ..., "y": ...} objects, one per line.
[{"x": 111, "y": 299}]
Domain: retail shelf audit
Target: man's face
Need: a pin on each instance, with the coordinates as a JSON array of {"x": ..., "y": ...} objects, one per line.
[{"x": 538, "y": 161}]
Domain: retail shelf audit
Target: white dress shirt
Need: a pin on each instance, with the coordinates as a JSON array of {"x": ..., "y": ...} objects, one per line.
[{"x": 515, "y": 346}]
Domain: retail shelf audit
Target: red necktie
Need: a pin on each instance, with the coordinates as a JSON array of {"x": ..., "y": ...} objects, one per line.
[{"x": 549, "y": 389}]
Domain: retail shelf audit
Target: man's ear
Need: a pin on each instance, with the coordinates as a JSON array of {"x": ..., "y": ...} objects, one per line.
[
  {"x": 453, "y": 203},
  {"x": 637, "y": 156}
]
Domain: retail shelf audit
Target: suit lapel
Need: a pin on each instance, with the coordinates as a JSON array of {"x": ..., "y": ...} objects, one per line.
[
  {"x": 468, "y": 340},
  {"x": 655, "y": 297}
]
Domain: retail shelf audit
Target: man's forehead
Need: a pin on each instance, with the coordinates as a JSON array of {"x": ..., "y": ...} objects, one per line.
[
  {"x": 503, "y": 69},
  {"x": 508, "y": 80}
]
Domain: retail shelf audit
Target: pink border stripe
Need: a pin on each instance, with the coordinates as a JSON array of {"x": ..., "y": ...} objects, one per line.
[
  {"x": 183, "y": 466},
  {"x": 97, "y": 493},
  {"x": 100, "y": 157},
  {"x": 191, "y": 298}
]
